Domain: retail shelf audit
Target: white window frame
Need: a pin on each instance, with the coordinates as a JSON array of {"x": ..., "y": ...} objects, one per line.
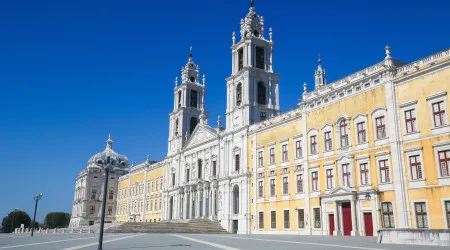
[
  {"x": 380, "y": 156},
  {"x": 261, "y": 151},
  {"x": 413, "y": 208},
  {"x": 284, "y": 142},
  {"x": 338, "y": 133},
  {"x": 333, "y": 182},
  {"x": 407, "y": 106},
  {"x": 314, "y": 218},
  {"x": 260, "y": 198},
  {"x": 328, "y": 128},
  {"x": 361, "y": 118},
  {"x": 298, "y": 138},
  {"x": 443, "y": 200},
  {"x": 269, "y": 148},
  {"x": 289, "y": 210},
  {"x": 285, "y": 196},
  {"x": 441, "y": 146},
  {"x": 379, "y": 112},
  {"x": 412, "y": 151},
  {"x": 364, "y": 159},
  {"x": 258, "y": 219},
  {"x": 270, "y": 217},
  {"x": 433, "y": 98},
  {"x": 272, "y": 197},
  {"x": 314, "y": 168},
  {"x": 313, "y": 132}
]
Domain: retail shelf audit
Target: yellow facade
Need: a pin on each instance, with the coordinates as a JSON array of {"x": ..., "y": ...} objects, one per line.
[
  {"x": 140, "y": 194},
  {"x": 370, "y": 112}
]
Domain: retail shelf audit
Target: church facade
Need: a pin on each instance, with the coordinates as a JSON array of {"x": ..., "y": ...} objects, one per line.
[{"x": 368, "y": 151}]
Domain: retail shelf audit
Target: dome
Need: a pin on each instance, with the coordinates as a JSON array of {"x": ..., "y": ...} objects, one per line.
[{"x": 109, "y": 152}]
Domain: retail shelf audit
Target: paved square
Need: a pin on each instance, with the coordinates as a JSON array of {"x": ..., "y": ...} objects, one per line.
[{"x": 196, "y": 241}]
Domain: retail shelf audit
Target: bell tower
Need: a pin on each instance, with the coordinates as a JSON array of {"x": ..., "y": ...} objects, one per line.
[
  {"x": 252, "y": 88},
  {"x": 188, "y": 105}
]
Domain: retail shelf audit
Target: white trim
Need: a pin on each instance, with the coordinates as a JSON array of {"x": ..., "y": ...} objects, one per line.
[
  {"x": 358, "y": 119},
  {"x": 333, "y": 182},
  {"x": 431, "y": 99},
  {"x": 416, "y": 183},
  {"x": 409, "y": 106},
  {"x": 413, "y": 209},
  {"x": 287, "y": 209},
  {"x": 376, "y": 113},
  {"x": 384, "y": 186},
  {"x": 441, "y": 146},
  {"x": 443, "y": 200},
  {"x": 359, "y": 161}
]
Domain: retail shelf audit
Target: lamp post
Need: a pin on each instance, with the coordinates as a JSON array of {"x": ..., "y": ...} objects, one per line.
[
  {"x": 36, "y": 198},
  {"x": 108, "y": 161},
  {"x": 14, "y": 218}
]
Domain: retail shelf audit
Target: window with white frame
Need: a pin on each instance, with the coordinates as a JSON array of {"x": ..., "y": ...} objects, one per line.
[
  {"x": 286, "y": 219},
  {"x": 438, "y": 113},
  {"x": 444, "y": 162},
  {"x": 330, "y": 178},
  {"x": 315, "y": 181},
  {"x": 298, "y": 149},
  {"x": 362, "y": 136},
  {"x": 272, "y": 156},
  {"x": 421, "y": 214},
  {"x": 384, "y": 171},
  {"x": 380, "y": 123},
  {"x": 328, "y": 141},
  {"x": 313, "y": 140},
  {"x": 387, "y": 213},
  {"x": 343, "y": 133},
  {"x": 364, "y": 173},
  {"x": 317, "y": 221},
  {"x": 301, "y": 218},
  {"x": 261, "y": 220},
  {"x": 447, "y": 212},
  {"x": 285, "y": 185},
  {"x": 299, "y": 183},
  {"x": 284, "y": 152},
  {"x": 410, "y": 121},
  {"x": 273, "y": 219},
  {"x": 237, "y": 162},
  {"x": 260, "y": 159},
  {"x": 346, "y": 181},
  {"x": 272, "y": 187},
  {"x": 260, "y": 189},
  {"x": 415, "y": 166}
]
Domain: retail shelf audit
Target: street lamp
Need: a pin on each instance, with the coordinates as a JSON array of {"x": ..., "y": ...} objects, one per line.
[
  {"x": 108, "y": 160},
  {"x": 14, "y": 218},
  {"x": 36, "y": 198}
]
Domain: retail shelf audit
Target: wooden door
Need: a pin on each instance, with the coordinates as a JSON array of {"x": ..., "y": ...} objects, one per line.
[
  {"x": 331, "y": 223},
  {"x": 368, "y": 224},
  {"x": 347, "y": 218}
]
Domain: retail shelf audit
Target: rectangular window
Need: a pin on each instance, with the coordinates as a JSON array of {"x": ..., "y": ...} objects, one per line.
[
  {"x": 384, "y": 171},
  {"x": 329, "y": 178},
  {"x": 156, "y": 185},
  {"x": 193, "y": 99},
  {"x": 240, "y": 59},
  {"x": 92, "y": 209},
  {"x": 272, "y": 187},
  {"x": 188, "y": 174},
  {"x": 416, "y": 167},
  {"x": 109, "y": 210},
  {"x": 387, "y": 215},
  {"x": 300, "y": 183},
  {"x": 261, "y": 220},
  {"x": 262, "y": 116},
  {"x": 298, "y": 149},
  {"x": 301, "y": 218},
  {"x": 317, "y": 222},
  {"x": 273, "y": 219},
  {"x": 381, "y": 127},
  {"x": 410, "y": 121},
  {"x": 214, "y": 168},
  {"x": 261, "y": 189},
  {"x": 260, "y": 57},
  {"x": 260, "y": 159},
  {"x": 272, "y": 156},
  {"x": 313, "y": 144},
  {"x": 284, "y": 152},
  {"x": 444, "y": 162},
  {"x": 447, "y": 212},
  {"x": 315, "y": 181},
  {"x": 438, "y": 114},
  {"x": 287, "y": 222},
  {"x": 344, "y": 134},
  {"x": 237, "y": 162},
  {"x": 346, "y": 175},
  {"x": 328, "y": 142},
  {"x": 361, "y": 127},
  {"x": 93, "y": 194},
  {"x": 151, "y": 205},
  {"x": 364, "y": 171},
  {"x": 173, "y": 179},
  {"x": 111, "y": 194},
  {"x": 285, "y": 185},
  {"x": 421, "y": 215}
]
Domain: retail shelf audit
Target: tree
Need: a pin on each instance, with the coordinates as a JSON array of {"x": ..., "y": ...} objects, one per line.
[
  {"x": 17, "y": 217},
  {"x": 57, "y": 220}
]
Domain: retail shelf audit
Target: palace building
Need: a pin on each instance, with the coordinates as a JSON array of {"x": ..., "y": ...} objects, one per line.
[{"x": 368, "y": 151}]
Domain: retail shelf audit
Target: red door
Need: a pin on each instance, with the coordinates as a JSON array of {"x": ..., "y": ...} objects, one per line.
[
  {"x": 331, "y": 223},
  {"x": 368, "y": 224},
  {"x": 347, "y": 218}
]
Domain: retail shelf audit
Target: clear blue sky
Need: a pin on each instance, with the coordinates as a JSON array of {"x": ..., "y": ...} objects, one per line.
[{"x": 73, "y": 71}]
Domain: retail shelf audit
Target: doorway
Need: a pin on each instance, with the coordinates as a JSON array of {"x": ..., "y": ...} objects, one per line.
[
  {"x": 347, "y": 218},
  {"x": 331, "y": 223},
  {"x": 368, "y": 224},
  {"x": 235, "y": 226},
  {"x": 171, "y": 208}
]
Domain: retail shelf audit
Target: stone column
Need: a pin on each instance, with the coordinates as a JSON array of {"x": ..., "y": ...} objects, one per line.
[
  {"x": 205, "y": 193},
  {"x": 184, "y": 204},
  {"x": 336, "y": 220},
  {"x": 213, "y": 202},
  {"x": 191, "y": 196},
  {"x": 197, "y": 205},
  {"x": 353, "y": 210}
]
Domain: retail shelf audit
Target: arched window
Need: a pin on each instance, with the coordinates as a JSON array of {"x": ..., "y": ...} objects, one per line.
[
  {"x": 239, "y": 94},
  {"x": 261, "y": 93},
  {"x": 236, "y": 199},
  {"x": 176, "y": 127},
  {"x": 193, "y": 124}
]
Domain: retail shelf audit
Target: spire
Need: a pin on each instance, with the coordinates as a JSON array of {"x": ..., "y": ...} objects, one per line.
[
  {"x": 176, "y": 81},
  {"x": 190, "y": 54},
  {"x": 387, "y": 49},
  {"x": 219, "y": 122},
  {"x": 320, "y": 74},
  {"x": 109, "y": 142},
  {"x": 304, "y": 87},
  {"x": 252, "y": 3},
  {"x": 252, "y": 25}
]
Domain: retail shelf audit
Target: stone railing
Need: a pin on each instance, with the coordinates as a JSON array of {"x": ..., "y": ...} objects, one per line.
[
  {"x": 79, "y": 230},
  {"x": 433, "y": 237},
  {"x": 424, "y": 61}
]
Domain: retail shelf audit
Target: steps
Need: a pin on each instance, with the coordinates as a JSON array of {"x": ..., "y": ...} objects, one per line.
[{"x": 196, "y": 226}]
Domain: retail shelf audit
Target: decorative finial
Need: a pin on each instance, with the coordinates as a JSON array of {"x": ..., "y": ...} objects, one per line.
[
  {"x": 388, "y": 52},
  {"x": 252, "y": 3},
  {"x": 176, "y": 81},
  {"x": 270, "y": 34},
  {"x": 190, "y": 51},
  {"x": 186, "y": 137},
  {"x": 319, "y": 60},
  {"x": 204, "y": 79},
  {"x": 304, "y": 87},
  {"x": 233, "y": 37},
  {"x": 148, "y": 157},
  {"x": 219, "y": 121},
  {"x": 109, "y": 142}
]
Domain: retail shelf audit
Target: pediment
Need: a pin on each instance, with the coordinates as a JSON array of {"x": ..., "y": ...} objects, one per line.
[
  {"x": 339, "y": 190},
  {"x": 202, "y": 133}
]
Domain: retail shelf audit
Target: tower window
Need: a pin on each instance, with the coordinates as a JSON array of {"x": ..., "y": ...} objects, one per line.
[
  {"x": 193, "y": 124},
  {"x": 192, "y": 79},
  {"x": 240, "y": 59},
  {"x": 256, "y": 33},
  {"x": 179, "y": 98},
  {"x": 261, "y": 93},
  {"x": 239, "y": 94},
  {"x": 193, "y": 99},
  {"x": 176, "y": 127},
  {"x": 260, "y": 57}
]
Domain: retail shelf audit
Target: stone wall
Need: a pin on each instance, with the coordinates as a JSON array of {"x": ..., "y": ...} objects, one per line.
[{"x": 435, "y": 237}]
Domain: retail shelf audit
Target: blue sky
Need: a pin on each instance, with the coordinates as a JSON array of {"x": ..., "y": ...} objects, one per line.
[{"x": 73, "y": 71}]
